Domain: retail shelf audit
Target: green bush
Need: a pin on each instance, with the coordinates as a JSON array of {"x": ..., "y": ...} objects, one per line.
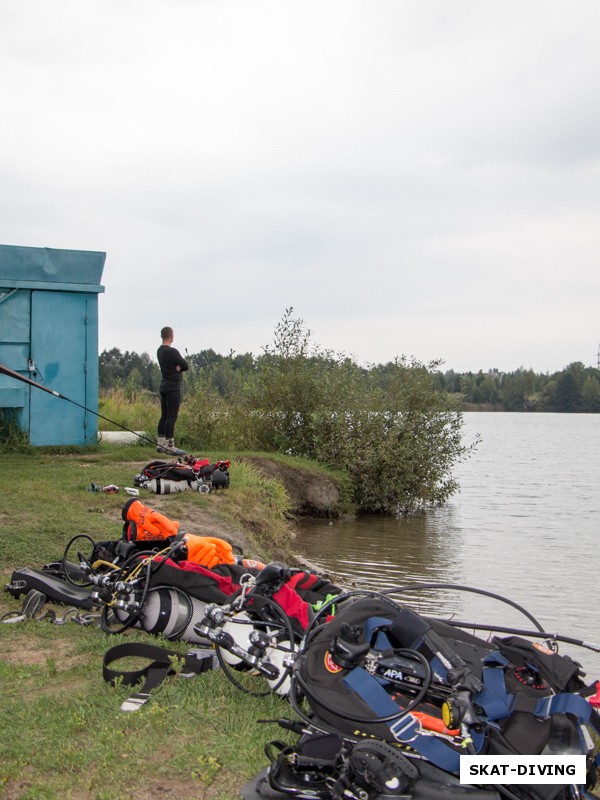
[
  {"x": 208, "y": 420},
  {"x": 390, "y": 429},
  {"x": 397, "y": 438}
]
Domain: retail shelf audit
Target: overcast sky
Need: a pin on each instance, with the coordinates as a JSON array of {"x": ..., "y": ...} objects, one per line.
[{"x": 417, "y": 177}]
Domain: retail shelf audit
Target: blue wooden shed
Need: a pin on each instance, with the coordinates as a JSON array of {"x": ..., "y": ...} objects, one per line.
[{"x": 49, "y": 333}]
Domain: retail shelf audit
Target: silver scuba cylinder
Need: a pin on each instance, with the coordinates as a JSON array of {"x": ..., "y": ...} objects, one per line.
[
  {"x": 165, "y": 486},
  {"x": 170, "y": 613},
  {"x": 277, "y": 656},
  {"x": 239, "y": 626}
]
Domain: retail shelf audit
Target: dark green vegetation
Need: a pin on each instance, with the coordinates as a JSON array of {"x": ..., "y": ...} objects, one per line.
[
  {"x": 62, "y": 735},
  {"x": 390, "y": 429},
  {"x": 576, "y": 388}
]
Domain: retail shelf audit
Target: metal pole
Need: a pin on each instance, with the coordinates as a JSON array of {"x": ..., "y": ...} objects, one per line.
[{"x": 17, "y": 376}]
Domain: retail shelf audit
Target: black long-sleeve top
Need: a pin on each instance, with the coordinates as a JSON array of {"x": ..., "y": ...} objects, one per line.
[{"x": 169, "y": 358}]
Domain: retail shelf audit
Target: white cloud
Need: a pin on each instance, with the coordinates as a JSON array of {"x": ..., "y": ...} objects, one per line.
[{"x": 418, "y": 177}]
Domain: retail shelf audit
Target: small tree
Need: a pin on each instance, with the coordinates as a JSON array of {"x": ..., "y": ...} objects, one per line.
[
  {"x": 398, "y": 438},
  {"x": 391, "y": 428}
]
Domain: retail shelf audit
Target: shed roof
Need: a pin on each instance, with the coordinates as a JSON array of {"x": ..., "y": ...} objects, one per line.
[{"x": 50, "y": 269}]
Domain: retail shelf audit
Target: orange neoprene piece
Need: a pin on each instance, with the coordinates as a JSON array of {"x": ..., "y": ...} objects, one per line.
[
  {"x": 208, "y": 551},
  {"x": 150, "y": 524}
]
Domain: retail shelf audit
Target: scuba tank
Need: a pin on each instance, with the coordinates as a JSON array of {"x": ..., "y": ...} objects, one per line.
[
  {"x": 168, "y": 612},
  {"x": 239, "y": 627},
  {"x": 165, "y": 486}
]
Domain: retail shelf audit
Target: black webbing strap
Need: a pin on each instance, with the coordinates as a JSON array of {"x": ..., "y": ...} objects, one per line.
[{"x": 161, "y": 666}]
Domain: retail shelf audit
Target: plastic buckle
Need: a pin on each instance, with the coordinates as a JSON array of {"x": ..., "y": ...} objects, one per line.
[
  {"x": 545, "y": 706},
  {"x": 85, "y": 619},
  {"x": 207, "y": 660}
]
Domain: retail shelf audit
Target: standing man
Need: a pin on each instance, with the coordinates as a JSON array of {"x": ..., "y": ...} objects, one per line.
[{"x": 172, "y": 365}]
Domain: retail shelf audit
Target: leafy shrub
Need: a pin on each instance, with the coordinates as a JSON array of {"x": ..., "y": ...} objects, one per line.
[{"x": 397, "y": 438}]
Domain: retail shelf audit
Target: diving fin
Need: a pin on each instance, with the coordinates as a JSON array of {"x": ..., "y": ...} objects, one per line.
[{"x": 25, "y": 579}]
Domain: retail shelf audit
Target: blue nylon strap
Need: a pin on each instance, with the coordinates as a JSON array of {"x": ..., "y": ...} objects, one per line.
[
  {"x": 382, "y": 642},
  {"x": 438, "y": 668},
  {"x": 494, "y": 699},
  {"x": 373, "y": 624},
  {"x": 495, "y": 657},
  {"x": 497, "y": 702},
  {"x": 564, "y": 704},
  {"x": 406, "y": 729}
]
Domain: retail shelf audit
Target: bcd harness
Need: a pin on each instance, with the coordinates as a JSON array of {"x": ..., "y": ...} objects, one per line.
[{"x": 493, "y": 702}]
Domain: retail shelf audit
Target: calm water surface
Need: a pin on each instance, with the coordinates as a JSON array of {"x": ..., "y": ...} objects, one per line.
[{"x": 525, "y": 525}]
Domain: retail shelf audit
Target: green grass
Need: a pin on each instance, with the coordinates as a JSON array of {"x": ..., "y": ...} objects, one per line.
[
  {"x": 138, "y": 411},
  {"x": 62, "y": 734},
  {"x": 340, "y": 477},
  {"x": 45, "y": 500}
]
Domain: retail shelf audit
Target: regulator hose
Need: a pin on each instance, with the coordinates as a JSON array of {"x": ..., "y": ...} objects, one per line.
[
  {"x": 133, "y": 618},
  {"x": 405, "y": 651},
  {"x": 64, "y": 560},
  {"x": 460, "y": 588}
]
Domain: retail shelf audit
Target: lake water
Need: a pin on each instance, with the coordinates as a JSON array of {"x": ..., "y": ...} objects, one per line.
[{"x": 525, "y": 525}]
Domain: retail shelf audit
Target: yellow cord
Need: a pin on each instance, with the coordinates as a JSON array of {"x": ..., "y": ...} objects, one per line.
[
  {"x": 139, "y": 567},
  {"x": 101, "y": 563}
]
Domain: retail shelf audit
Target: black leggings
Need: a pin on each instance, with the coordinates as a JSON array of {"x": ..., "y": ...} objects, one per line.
[{"x": 169, "y": 407}]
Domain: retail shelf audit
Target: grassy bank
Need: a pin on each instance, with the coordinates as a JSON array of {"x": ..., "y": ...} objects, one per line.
[{"x": 62, "y": 734}]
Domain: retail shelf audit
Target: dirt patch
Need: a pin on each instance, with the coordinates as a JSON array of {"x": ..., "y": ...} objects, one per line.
[
  {"x": 312, "y": 494},
  {"x": 170, "y": 789},
  {"x": 196, "y": 520},
  {"x": 29, "y": 650}
]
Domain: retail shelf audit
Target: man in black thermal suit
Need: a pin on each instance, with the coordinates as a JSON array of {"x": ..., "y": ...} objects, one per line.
[{"x": 172, "y": 365}]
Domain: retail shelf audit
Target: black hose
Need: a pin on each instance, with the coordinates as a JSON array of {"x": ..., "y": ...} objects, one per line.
[
  {"x": 132, "y": 618},
  {"x": 458, "y": 587},
  {"x": 519, "y": 632},
  {"x": 65, "y": 559},
  {"x": 312, "y": 695},
  {"x": 150, "y": 573}
]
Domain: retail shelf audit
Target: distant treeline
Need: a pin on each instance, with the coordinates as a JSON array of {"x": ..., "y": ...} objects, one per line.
[{"x": 576, "y": 388}]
